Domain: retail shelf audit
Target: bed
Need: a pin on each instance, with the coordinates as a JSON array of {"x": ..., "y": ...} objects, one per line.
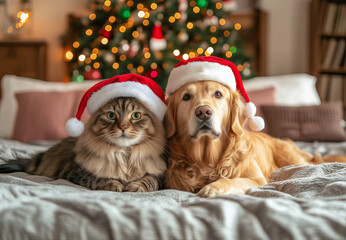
[{"x": 302, "y": 202}]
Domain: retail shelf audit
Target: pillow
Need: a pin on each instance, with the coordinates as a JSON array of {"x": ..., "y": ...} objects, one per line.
[
  {"x": 308, "y": 123},
  {"x": 43, "y": 115},
  {"x": 11, "y": 85},
  {"x": 290, "y": 90}
]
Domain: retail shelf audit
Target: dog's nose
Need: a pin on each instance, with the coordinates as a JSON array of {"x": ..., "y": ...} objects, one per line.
[{"x": 203, "y": 112}]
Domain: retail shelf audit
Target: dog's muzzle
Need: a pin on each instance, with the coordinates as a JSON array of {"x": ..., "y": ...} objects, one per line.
[{"x": 204, "y": 112}]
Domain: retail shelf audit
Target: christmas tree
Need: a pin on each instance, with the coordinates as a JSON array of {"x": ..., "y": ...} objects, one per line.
[{"x": 150, "y": 37}]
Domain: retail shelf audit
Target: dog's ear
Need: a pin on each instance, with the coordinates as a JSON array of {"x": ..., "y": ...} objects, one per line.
[
  {"x": 169, "y": 120},
  {"x": 238, "y": 115}
]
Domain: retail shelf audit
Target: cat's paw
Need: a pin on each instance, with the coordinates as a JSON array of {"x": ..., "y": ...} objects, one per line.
[
  {"x": 113, "y": 185},
  {"x": 135, "y": 187}
]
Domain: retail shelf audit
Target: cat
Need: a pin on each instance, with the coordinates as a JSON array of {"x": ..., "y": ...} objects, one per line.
[{"x": 121, "y": 149}]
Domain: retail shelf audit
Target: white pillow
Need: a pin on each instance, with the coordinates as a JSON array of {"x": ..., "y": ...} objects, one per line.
[
  {"x": 11, "y": 85},
  {"x": 290, "y": 90}
]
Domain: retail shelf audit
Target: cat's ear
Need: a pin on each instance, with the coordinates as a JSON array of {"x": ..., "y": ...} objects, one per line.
[{"x": 169, "y": 120}]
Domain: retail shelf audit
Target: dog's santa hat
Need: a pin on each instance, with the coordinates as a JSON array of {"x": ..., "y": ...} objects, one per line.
[
  {"x": 213, "y": 69},
  {"x": 144, "y": 89}
]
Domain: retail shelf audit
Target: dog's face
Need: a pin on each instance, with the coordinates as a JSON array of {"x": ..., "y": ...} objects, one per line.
[{"x": 205, "y": 108}]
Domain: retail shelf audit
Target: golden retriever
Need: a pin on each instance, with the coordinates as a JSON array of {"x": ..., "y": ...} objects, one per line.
[{"x": 211, "y": 153}]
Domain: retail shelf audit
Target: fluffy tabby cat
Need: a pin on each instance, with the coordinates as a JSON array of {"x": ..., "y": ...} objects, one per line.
[{"x": 121, "y": 149}]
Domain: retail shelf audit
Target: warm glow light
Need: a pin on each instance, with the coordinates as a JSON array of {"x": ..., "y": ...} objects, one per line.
[
  {"x": 81, "y": 57},
  {"x": 212, "y": 29},
  {"x": 108, "y": 28},
  {"x": 196, "y": 9},
  {"x": 75, "y": 44},
  {"x": 96, "y": 65},
  {"x": 218, "y": 5},
  {"x": 210, "y": 50},
  {"x": 171, "y": 19},
  {"x": 93, "y": 56},
  {"x": 104, "y": 41},
  {"x": 240, "y": 67},
  {"x": 140, "y": 6},
  {"x": 237, "y": 26},
  {"x": 23, "y": 16},
  {"x": 199, "y": 50},
  {"x": 153, "y": 65},
  {"x": 111, "y": 19},
  {"x": 213, "y": 40},
  {"x": 153, "y": 6},
  {"x": 192, "y": 54},
  {"x": 114, "y": 49},
  {"x": 185, "y": 56},
  {"x": 129, "y": 66},
  {"x": 176, "y": 52},
  {"x": 189, "y": 25},
  {"x": 145, "y": 22},
  {"x": 107, "y": 3},
  {"x": 228, "y": 54},
  {"x": 135, "y": 34},
  {"x": 153, "y": 74},
  {"x": 122, "y": 57},
  {"x": 88, "y": 32},
  {"x": 226, "y": 33},
  {"x": 122, "y": 29},
  {"x": 95, "y": 50},
  {"x": 145, "y": 49},
  {"x": 10, "y": 29},
  {"x": 222, "y": 21},
  {"x": 140, "y": 69},
  {"x": 92, "y": 16},
  {"x": 69, "y": 55},
  {"x": 88, "y": 60},
  {"x": 177, "y": 15},
  {"x": 130, "y": 3},
  {"x": 147, "y": 55},
  {"x": 125, "y": 47},
  {"x": 192, "y": 3},
  {"x": 141, "y": 14},
  {"x": 115, "y": 65},
  {"x": 146, "y": 14}
]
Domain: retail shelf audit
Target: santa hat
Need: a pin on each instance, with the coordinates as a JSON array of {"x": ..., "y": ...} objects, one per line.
[
  {"x": 213, "y": 69},
  {"x": 128, "y": 85},
  {"x": 157, "y": 40}
]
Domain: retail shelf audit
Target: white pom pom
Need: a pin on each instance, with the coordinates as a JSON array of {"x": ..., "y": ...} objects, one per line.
[
  {"x": 256, "y": 123},
  {"x": 74, "y": 127},
  {"x": 250, "y": 109}
]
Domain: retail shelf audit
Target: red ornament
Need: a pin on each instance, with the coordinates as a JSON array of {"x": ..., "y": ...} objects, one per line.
[
  {"x": 92, "y": 74},
  {"x": 153, "y": 73},
  {"x": 105, "y": 33}
]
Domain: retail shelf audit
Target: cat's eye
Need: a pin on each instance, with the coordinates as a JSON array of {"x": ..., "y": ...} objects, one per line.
[
  {"x": 218, "y": 94},
  {"x": 186, "y": 97},
  {"x": 111, "y": 115},
  {"x": 136, "y": 115}
]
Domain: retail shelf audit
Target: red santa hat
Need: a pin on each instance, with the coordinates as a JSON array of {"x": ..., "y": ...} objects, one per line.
[
  {"x": 128, "y": 85},
  {"x": 213, "y": 69},
  {"x": 157, "y": 40}
]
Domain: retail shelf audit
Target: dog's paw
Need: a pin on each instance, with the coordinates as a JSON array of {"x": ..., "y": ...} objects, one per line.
[
  {"x": 113, "y": 185},
  {"x": 211, "y": 190}
]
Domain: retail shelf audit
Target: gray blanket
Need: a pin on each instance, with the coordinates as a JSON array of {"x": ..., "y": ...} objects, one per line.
[{"x": 303, "y": 202}]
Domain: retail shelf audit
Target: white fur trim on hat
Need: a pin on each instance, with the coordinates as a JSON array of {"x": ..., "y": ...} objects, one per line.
[
  {"x": 74, "y": 127},
  {"x": 127, "y": 89},
  {"x": 256, "y": 123},
  {"x": 199, "y": 71},
  {"x": 158, "y": 44}
]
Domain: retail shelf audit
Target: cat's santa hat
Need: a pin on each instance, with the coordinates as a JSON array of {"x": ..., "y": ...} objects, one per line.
[
  {"x": 213, "y": 69},
  {"x": 128, "y": 85}
]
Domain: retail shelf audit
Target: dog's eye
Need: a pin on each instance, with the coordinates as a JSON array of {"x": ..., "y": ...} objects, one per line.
[
  {"x": 218, "y": 94},
  {"x": 187, "y": 97}
]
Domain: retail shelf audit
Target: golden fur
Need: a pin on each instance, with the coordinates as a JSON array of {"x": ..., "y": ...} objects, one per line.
[{"x": 225, "y": 157}]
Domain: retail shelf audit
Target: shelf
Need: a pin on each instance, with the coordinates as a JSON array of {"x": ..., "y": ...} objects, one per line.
[
  {"x": 333, "y": 35},
  {"x": 334, "y": 70}
]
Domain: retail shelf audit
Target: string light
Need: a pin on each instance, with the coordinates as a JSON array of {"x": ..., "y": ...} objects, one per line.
[
  {"x": 140, "y": 6},
  {"x": 189, "y": 25},
  {"x": 153, "y": 74},
  {"x": 115, "y": 65},
  {"x": 130, "y": 3},
  {"x": 114, "y": 49},
  {"x": 92, "y": 16},
  {"x": 222, "y": 21},
  {"x": 218, "y": 5},
  {"x": 240, "y": 67},
  {"x": 171, "y": 19},
  {"x": 146, "y": 14},
  {"x": 210, "y": 50},
  {"x": 237, "y": 26},
  {"x": 122, "y": 57},
  {"x": 145, "y": 49},
  {"x": 192, "y": 54},
  {"x": 111, "y": 19},
  {"x": 196, "y": 9},
  {"x": 88, "y": 60},
  {"x": 135, "y": 34},
  {"x": 69, "y": 55},
  {"x": 228, "y": 54},
  {"x": 192, "y": 3},
  {"x": 129, "y": 66},
  {"x": 212, "y": 29},
  {"x": 185, "y": 56},
  {"x": 176, "y": 52},
  {"x": 93, "y": 56},
  {"x": 145, "y": 22},
  {"x": 147, "y": 55},
  {"x": 95, "y": 50},
  {"x": 226, "y": 33},
  {"x": 177, "y": 15},
  {"x": 107, "y": 3},
  {"x": 96, "y": 65},
  {"x": 81, "y": 57},
  {"x": 108, "y": 28},
  {"x": 199, "y": 50},
  {"x": 153, "y": 6},
  {"x": 213, "y": 40},
  {"x": 104, "y": 41},
  {"x": 141, "y": 14},
  {"x": 75, "y": 44},
  {"x": 122, "y": 29},
  {"x": 125, "y": 47},
  {"x": 140, "y": 69},
  {"x": 233, "y": 49},
  {"x": 88, "y": 32},
  {"x": 153, "y": 65}
]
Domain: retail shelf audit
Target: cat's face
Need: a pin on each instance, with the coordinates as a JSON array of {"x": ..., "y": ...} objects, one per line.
[{"x": 124, "y": 122}]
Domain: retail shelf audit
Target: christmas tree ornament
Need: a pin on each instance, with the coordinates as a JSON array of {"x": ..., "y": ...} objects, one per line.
[
  {"x": 125, "y": 13},
  {"x": 128, "y": 85},
  {"x": 92, "y": 74},
  {"x": 157, "y": 40},
  {"x": 183, "y": 36},
  {"x": 214, "y": 69},
  {"x": 229, "y": 5},
  {"x": 210, "y": 21},
  {"x": 109, "y": 57},
  {"x": 105, "y": 34},
  {"x": 134, "y": 48},
  {"x": 182, "y": 8}
]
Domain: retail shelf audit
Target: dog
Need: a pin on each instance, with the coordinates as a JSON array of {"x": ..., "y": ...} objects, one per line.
[{"x": 211, "y": 151}]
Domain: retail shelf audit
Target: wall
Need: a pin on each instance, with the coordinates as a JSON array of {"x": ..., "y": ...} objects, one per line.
[{"x": 288, "y": 35}]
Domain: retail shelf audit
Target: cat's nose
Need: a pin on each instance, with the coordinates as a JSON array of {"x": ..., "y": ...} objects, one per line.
[{"x": 123, "y": 127}]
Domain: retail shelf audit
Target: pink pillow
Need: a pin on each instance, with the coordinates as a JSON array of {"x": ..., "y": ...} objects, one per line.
[
  {"x": 43, "y": 115},
  {"x": 265, "y": 96}
]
